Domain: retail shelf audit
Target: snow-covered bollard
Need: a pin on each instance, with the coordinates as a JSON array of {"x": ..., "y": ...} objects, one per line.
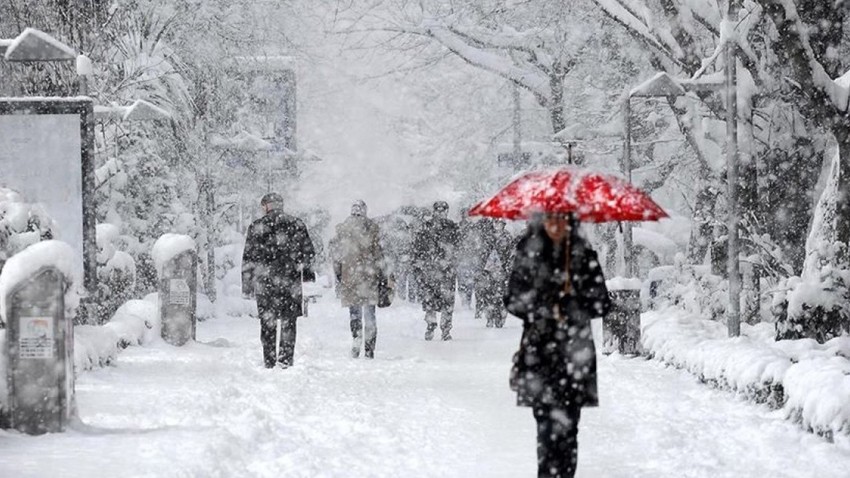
[
  {"x": 621, "y": 327},
  {"x": 177, "y": 267},
  {"x": 37, "y": 301}
]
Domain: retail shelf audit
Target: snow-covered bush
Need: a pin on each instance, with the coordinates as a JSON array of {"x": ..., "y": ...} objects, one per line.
[
  {"x": 815, "y": 305},
  {"x": 116, "y": 271},
  {"x": 21, "y": 224},
  {"x": 691, "y": 288},
  {"x": 134, "y": 323}
]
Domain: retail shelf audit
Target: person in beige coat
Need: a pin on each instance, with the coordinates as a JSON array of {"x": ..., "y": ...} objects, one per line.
[{"x": 358, "y": 262}]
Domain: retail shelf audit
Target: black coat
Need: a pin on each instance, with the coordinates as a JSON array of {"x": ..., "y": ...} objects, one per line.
[
  {"x": 277, "y": 249},
  {"x": 556, "y": 361},
  {"x": 435, "y": 256}
]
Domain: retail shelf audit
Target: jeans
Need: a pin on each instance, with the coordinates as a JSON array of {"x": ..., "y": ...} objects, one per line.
[{"x": 363, "y": 323}]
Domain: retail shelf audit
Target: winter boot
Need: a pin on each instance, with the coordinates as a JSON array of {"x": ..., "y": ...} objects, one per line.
[{"x": 429, "y": 331}]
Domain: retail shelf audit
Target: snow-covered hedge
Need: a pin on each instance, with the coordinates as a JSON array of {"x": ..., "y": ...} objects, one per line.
[
  {"x": 808, "y": 380},
  {"x": 134, "y": 323}
]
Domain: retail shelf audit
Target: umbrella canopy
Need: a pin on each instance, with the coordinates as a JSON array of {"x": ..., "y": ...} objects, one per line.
[{"x": 593, "y": 196}]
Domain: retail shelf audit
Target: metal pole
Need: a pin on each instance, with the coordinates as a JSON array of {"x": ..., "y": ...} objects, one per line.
[
  {"x": 733, "y": 317},
  {"x": 517, "y": 123},
  {"x": 628, "y": 259}
]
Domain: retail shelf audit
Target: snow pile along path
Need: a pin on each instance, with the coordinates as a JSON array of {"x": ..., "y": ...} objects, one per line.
[
  {"x": 810, "y": 382},
  {"x": 420, "y": 409}
]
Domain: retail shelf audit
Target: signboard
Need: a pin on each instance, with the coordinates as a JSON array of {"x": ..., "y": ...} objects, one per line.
[
  {"x": 35, "y": 339},
  {"x": 46, "y": 154},
  {"x": 178, "y": 293}
]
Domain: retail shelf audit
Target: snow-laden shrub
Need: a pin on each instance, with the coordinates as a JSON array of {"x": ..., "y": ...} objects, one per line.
[
  {"x": 116, "y": 271},
  {"x": 136, "y": 322},
  {"x": 817, "y": 304},
  {"x": 21, "y": 224},
  {"x": 694, "y": 289}
]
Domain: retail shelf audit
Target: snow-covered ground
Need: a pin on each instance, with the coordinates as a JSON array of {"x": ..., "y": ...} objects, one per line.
[{"x": 420, "y": 409}]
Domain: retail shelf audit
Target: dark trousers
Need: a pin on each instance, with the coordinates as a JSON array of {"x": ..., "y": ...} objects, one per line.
[
  {"x": 270, "y": 312},
  {"x": 557, "y": 441}
]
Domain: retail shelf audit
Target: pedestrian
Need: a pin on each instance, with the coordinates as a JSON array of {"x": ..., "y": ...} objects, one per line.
[
  {"x": 358, "y": 261},
  {"x": 467, "y": 263},
  {"x": 556, "y": 286},
  {"x": 435, "y": 256},
  {"x": 493, "y": 277},
  {"x": 277, "y": 257}
]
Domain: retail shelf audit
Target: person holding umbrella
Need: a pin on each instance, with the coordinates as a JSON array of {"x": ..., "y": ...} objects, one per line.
[{"x": 556, "y": 287}]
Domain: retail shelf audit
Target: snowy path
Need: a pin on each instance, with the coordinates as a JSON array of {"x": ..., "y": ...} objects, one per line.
[{"x": 418, "y": 410}]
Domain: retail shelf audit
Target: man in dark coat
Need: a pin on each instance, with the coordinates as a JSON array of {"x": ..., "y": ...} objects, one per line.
[
  {"x": 556, "y": 287},
  {"x": 277, "y": 257},
  {"x": 435, "y": 258}
]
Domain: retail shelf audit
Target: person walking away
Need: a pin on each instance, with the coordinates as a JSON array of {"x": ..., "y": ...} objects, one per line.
[
  {"x": 358, "y": 261},
  {"x": 556, "y": 286},
  {"x": 494, "y": 275},
  {"x": 435, "y": 253},
  {"x": 468, "y": 258},
  {"x": 485, "y": 243},
  {"x": 277, "y": 257}
]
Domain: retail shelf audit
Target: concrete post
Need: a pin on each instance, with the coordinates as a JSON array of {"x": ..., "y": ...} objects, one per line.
[
  {"x": 39, "y": 352},
  {"x": 178, "y": 286}
]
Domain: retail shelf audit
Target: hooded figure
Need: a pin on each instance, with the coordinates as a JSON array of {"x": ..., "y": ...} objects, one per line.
[
  {"x": 277, "y": 257},
  {"x": 555, "y": 287},
  {"x": 358, "y": 261}
]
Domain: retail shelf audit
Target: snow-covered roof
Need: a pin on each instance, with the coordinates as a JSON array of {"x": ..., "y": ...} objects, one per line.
[
  {"x": 661, "y": 84},
  {"x": 35, "y": 45}
]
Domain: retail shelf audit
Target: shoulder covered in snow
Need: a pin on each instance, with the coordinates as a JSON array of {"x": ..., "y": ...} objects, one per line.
[
  {"x": 24, "y": 264},
  {"x": 168, "y": 246}
]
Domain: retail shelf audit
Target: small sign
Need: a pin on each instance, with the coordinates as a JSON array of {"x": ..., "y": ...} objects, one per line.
[
  {"x": 36, "y": 338},
  {"x": 178, "y": 293}
]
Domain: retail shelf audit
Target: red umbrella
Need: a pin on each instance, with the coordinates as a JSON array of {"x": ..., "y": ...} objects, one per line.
[{"x": 594, "y": 196}]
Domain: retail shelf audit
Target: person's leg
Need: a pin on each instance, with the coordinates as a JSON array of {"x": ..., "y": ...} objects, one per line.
[
  {"x": 267, "y": 330},
  {"x": 431, "y": 321},
  {"x": 287, "y": 340},
  {"x": 370, "y": 330},
  {"x": 446, "y": 324},
  {"x": 356, "y": 315},
  {"x": 557, "y": 441}
]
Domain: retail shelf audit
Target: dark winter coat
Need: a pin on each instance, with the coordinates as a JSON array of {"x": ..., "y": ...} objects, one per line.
[
  {"x": 556, "y": 361},
  {"x": 277, "y": 249},
  {"x": 358, "y": 261},
  {"x": 435, "y": 261}
]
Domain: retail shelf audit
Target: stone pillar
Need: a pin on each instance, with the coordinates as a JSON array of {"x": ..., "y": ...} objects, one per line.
[
  {"x": 39, "y": 353},
  {"x": 178, "y": 286}
]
